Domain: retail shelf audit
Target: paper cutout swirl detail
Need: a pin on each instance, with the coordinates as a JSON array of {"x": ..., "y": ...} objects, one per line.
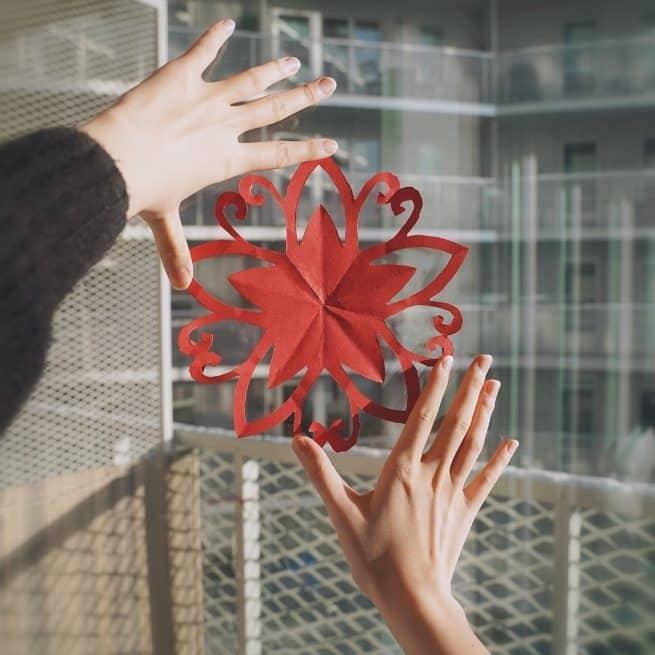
[{"x": 323, "y": 304}]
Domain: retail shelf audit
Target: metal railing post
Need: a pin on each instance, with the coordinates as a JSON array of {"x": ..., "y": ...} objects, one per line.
[
  {"x": 247, "y": 565},
  {"x": 566, "y": 592}
]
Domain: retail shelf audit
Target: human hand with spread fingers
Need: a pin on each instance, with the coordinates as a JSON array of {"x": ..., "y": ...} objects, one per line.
[
  {"x": 403, "y": 539},
  {"x": 175, "y": 134}
]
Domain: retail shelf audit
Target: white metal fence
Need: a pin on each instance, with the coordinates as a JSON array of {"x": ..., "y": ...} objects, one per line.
[{"x": 555, "y": 563}]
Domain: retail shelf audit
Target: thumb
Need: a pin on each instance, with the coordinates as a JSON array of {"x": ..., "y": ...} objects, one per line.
[
  {"x": 172, "y": 246},
  {"x": 322, "y": 474}
]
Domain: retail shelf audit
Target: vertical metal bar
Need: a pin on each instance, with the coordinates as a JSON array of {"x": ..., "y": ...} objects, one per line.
[
  {"x": 159, "y": 573},
  {"x": 566, "y": 578},
  {"x": 561, "y": 298},
  {"x": 166, "y": 366},
  {"x": 247, "y": 565},
  {"x": 515, "y": 290},
  {"x": 529, "y": 304},
  {"x": 625, "y": 309}
]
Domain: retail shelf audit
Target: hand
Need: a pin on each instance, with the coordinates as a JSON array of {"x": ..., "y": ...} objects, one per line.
[
  {"x": 174, "y": 134},
  {"x": 403, "y": 539}
]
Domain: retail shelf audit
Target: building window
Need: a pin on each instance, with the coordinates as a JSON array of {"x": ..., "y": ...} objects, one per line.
[
  {"x": 431, "y": 36},
  {"x": 649, "y": 153},
  {"x": 184, "y": 402},
  {"x": 365, "y": 155},
  {"x": 578, "y": 61},
  {"x": 647, "y": 409},
  {"x": 580, "y": 190},
  {"x": 578, "y": 410},
  {"x": 581, "y": 292},
  {"x": 581, "y": 282},
  {"x": 579, "y": 157}
]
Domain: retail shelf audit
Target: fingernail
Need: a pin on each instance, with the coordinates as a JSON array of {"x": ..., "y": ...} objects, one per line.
[
  {"x": 329, "y": 146},
  {"x": 327, "y": 86},
  {"x": 446, "y": 362},
  {"x": 229, "y": 24},
  {"x": 511, "y": 447},
  {"x": 181, "y": 277},
  {"x": 290, "y": 64},
  {"x": 484, "y": 362},
  {"x": 298, "y": 445}
]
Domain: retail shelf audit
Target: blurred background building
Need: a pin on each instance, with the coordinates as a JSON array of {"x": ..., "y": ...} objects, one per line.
[{"x": 528, "y": 129}]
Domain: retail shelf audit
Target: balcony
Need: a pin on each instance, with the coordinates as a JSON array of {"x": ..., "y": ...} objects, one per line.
[
  {"x": 370, "y": 74},
  {"x": 555, "y": 563},
  {"x": 468, "y": 208},
  {"x": 597, "y": 205},
  {"x": 588, "y": 76},
  {"x": 386, "y": 75},
  {"x": 602, "y": 333}
]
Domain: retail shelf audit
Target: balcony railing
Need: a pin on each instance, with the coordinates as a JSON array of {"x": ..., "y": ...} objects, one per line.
[
  {"x": 363, "y": 68},
  {"x": 609, "y": 200},
  {"x": 607, "y": 331},
  {"x": 614, "y": 69},
  {"x": 599, "y": 204},
  {"x": 555, "y": 563},
  {"x": 449, "y": 203},
  {"x": 606, "y": 69}
]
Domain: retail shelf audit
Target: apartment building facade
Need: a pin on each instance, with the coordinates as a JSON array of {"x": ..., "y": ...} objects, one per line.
[{"x": 529, "y": 133}]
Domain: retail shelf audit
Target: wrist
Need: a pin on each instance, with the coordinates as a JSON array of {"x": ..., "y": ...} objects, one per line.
[
  {"x": 428, "y": 620},
  {"x": 113, "y": 132}
]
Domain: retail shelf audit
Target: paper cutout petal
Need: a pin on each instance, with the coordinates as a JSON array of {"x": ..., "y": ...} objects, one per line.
[{"x": 324, "y": 305}]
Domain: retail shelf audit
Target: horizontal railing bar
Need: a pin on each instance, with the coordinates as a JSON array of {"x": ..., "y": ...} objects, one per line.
[{"x": 604, "y": 494}]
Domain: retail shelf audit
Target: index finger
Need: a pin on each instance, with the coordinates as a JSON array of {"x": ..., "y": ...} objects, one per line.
[{"x": 417, "y": 430}]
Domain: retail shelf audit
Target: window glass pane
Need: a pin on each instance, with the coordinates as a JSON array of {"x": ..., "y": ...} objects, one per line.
[
  {"x": 368, "y": 77},
  {"x": 578, "y": 61},
  {"x": 335, "y": 55},
  {"x": 293, "y": 26},
  {"x": 336, "y": 28},
  {"x": 538, "y": 157},
  {"x": 430, "y": 36},
  {"x": 649, "y": 153}
]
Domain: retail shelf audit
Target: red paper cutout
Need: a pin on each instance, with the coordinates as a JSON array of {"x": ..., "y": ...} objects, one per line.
[{"x": 322, "y": 304}]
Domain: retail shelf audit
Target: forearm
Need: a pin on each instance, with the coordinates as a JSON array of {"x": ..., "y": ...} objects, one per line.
[
  {"x": 63, "y": 205},
  {"x": 425, "y": 623}
]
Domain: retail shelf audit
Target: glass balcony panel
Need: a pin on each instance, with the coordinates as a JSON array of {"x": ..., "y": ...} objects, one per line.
[
  {"x": 613, "y": 68},
  {"x": 362, "y": 67}
]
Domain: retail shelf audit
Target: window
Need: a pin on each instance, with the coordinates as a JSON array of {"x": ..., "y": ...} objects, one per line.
[
  {"x": 581, "y": 288},
  {"x": 184, "y": 402},
  {"x": 430, "y": 36},
  {"x": 427, "y": 159},
  {"x": 578, "y": 61},
  {"x": 647, "y": 409},
  {"x": 297, "y": 34},
  {"x": 580, "y": 189},
  {"x": 367, "y": 60},
  {"x": 365, "y": 155},
  {"x": 578, "y": 410},
  {"x": 649, "y": 153},
  {"x": 336, "y": 28},
  {"x": 581, "y": 282},
  {"x": 579, "y": 157}
]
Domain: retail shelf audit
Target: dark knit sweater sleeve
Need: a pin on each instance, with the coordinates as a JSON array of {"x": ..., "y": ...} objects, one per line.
[{"x": 62, "y": 206}]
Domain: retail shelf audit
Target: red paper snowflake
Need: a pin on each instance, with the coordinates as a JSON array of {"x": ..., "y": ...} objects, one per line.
[{"x": 323, "y": 304}]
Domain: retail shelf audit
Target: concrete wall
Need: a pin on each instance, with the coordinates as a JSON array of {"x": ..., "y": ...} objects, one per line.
[{"x": 619, "y": 137}]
